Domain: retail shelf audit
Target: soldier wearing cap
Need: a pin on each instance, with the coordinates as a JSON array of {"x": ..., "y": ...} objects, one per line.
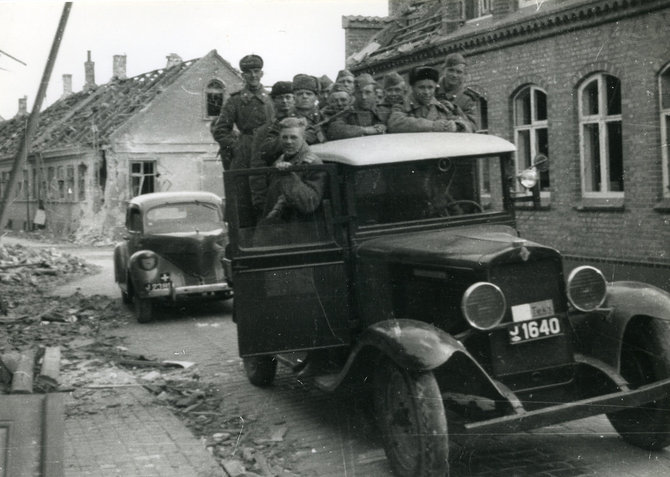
[
  {"x": 338, "y": 100},
  {"x": 306, "y": 92},
  {"x": 452, "y": 87},
  {"x": 244, "y": 111},
  {"x": 363, "y": 119},
  {"x": 424, "y": 112},
  {"x": 346, "y": 78},
  {"x": 265, "y": 148},
  {"x": 395, "y": 93}
]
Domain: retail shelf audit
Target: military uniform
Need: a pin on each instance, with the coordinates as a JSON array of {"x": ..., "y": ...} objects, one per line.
[
  {"x": 464, "y": 98},
  {"x": 353, "y": 123},
  {"x": 418, "y": 117}
]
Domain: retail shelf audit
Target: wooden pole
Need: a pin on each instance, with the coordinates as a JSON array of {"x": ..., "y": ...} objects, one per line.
[{"x": 24, "y": 145}]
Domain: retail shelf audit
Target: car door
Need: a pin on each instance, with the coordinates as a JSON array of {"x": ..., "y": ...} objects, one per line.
[{"x": 290, "y": 279}]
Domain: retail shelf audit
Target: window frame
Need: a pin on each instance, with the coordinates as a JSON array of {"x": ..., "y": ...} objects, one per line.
[
  {"x": 142, "y": 175},
  {"x": 664, "y": 119},
  {"x": 212, "y": 87},
  {"x": 601, "y": 119},
  {"x": 533, "y": 127}
]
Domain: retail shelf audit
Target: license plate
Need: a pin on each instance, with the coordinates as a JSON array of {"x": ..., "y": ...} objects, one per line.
[
  {"x": 157, "y": 286},
  {"x": 530, "y": 330}
]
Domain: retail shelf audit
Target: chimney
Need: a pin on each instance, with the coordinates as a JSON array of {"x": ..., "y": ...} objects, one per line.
[
  {"x": 173, "y": 59},
  {"x": 396, "y": 6},
  {"x": 67, "y": 86},
  {"x": 23, "y": 106},
  {"x": 119, "y": 67},
  {"x": 89, "y": 72},
  {"x": 501, "y": 8}
]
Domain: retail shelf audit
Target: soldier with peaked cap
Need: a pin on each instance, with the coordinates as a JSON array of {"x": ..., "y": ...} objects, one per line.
[
  {"x": 306, "y": 92},
  {"x": 395, "y": 93},
  {"x": 266, "y": 148},
  {"x": 363, "y": 119},
  {"x": 424, "y": 112},
  {"x": 244, "y": 111},
  {"x": 452, "y": 87}
]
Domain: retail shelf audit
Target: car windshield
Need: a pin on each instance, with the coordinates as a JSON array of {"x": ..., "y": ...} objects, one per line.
[
  {"x": 185, "y": 217},
  {"x": 428, "y": 189}
]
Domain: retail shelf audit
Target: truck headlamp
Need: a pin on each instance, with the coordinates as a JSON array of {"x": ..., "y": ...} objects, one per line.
[
  {"x": 587, "y": 288},
  {"x": 483, "y": 305}
]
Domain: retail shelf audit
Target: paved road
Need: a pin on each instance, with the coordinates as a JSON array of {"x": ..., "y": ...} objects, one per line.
[{"x": 333, "y": 435}]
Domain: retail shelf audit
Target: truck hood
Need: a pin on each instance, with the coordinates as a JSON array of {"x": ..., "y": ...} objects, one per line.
[{"x": 476, "y": 247}]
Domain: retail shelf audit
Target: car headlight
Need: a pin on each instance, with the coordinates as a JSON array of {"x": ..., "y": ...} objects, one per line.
[
  {"x": 587, "y": 288},
  {"x": 483, "y": 305},
  {"x": 147, "y": 261}
]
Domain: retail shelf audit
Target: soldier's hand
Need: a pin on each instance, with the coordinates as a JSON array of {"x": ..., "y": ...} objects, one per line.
[
  {"x": 381, "y": 128},
  {"x": 282, "y": 165}
]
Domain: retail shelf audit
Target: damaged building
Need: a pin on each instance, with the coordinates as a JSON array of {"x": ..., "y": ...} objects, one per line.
[
  {"x": 585, "y": 82},
  {"x": 95, "y": 149}
]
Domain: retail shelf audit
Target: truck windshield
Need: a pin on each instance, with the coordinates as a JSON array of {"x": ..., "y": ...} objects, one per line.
[
  {"x": 186, "y": 217},
  {"x": 420, "y": 190}
]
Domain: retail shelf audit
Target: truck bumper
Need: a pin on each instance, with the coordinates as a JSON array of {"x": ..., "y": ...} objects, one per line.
[
  {"x": 607, "y": 403},
  {"x": 175, "y": 292}
]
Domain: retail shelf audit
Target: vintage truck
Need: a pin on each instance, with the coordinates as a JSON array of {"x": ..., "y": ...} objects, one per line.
[{"x": 411, "y": 278}]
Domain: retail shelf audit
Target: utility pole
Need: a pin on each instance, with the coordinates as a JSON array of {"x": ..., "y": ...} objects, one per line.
[{"x": 24, "y": 145}]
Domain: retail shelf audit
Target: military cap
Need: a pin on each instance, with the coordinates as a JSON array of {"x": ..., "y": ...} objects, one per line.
[
  {"x": 422, "y": 73},
  {"x": 325, "y": 82},
  {"x": 251, "y": 61},
  {"x": 453, "y": 59},
  {"x": 301, "y": 81},
  {"x": 338, "y": 88},
  {"x": 363, "y": 80},
  {"x": 281, "y": 87},
  {"x": 393, "y": 79},
  {"x": 293, "y": 122},
  {"x": 343, "y": 74}
]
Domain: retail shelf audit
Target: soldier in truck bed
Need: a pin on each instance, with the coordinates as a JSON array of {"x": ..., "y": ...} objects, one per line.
[{"x": 452, "y": 88}]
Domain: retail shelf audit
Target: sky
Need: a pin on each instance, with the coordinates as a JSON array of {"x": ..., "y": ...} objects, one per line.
[{"x": 292, "y": 36}]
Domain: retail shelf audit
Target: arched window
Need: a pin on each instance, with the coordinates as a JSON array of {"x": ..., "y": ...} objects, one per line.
[
  {"x": 601, "y": 144},
  {"x": 664, "y": 91},
  {"x": 214, "y": 93},
  {"x": 530, "y": 130}
]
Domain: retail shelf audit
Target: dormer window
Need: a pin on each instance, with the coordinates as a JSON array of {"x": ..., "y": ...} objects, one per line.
[{"x": 214, "y": 93}]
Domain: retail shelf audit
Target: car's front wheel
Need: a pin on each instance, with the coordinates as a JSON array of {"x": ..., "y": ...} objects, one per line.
[
  {"x": 143, "y": 309},
  {"x": 261, "y": 370},
  {"x": 645, "y": 358},
  {"x": 412, "y": 420}
]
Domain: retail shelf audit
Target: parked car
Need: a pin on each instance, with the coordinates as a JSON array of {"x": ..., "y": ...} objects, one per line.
[
  {"x": 173, "y": 248},
  {"x": 412, "y": 276}
]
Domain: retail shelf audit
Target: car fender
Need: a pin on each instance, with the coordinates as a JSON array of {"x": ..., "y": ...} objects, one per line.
[
  {"x": 418, "y": 346},
  {"x": 120, "y": 262},
  {"x": 601, "y": 333},
  {"x": 141, "y": 277}
]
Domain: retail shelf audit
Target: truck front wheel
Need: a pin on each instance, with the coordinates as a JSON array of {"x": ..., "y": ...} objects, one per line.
[
  {"x": 645, "y": 358},
  {"x": 411, "y": 417},
  {"x": 261, "y": 370}
]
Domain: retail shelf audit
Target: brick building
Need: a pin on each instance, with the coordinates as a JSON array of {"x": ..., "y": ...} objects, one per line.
[
  {"x": 586, "y": 82},
  {"x": 95, "y": 149}
]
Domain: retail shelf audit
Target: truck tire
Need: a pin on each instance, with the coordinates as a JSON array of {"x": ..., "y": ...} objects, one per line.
[
  {"x": 645, "y": 358},
  {"x": 261, "y": 370},
  {"x": 411, "y": 417},
  {"x": 143, "y": 309}
]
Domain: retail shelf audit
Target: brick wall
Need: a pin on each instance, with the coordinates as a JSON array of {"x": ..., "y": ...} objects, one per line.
[
  {"x": 358, "y": 33},
  {"x": 630, "y": 49}
]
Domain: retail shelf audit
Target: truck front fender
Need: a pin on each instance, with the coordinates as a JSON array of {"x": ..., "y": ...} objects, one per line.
[{"x": 601, "y": 333}]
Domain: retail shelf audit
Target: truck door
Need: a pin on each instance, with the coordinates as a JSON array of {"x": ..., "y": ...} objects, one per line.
[{"x": 289, "y": 269}]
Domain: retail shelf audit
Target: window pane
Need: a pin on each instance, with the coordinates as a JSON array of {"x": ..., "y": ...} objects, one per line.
[
  {"x": 590, "y": 98},
  {"x": 522, "y": 107},
  {"x": 542, "y": 144},
  {"x": 523, "y": 150},
  {"x": 591, "y": 158},
  {"x": 665, "y": 89},
  {"x": 540, "y": 105},
  {"x": 214, "y": 104},
  {"x": 613, "y": 95},
  {"x": 614, "y": 143}
]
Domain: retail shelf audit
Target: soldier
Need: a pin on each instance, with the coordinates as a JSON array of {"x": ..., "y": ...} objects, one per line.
[
  {"x": 452, "y": 87},
  {"x": 246, "y": 110},
  {"x": 425, "y": 113},
  {"x": 266, "y": 148},
  {"x": 306, "y": 91},
  {"x": 346, "y": 79},
  {"x": 363, "y": 119},
  {"x": 395, "y": 93},
  {"x": 338, "y": 100}
]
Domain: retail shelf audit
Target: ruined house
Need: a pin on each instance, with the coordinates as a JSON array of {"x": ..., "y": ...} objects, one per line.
[
  {"x": 585, "y": 82},
  {"x": 95, "y": 149}
]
